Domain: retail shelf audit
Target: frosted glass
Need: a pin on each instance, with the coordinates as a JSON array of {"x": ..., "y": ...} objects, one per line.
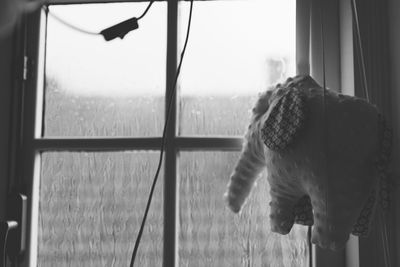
[
  {"x": 99, "y": 88},
  {"x": 91, "y": 206},
  {"x": 211, "y": 235},
  {"x": 236, "y": 50}
]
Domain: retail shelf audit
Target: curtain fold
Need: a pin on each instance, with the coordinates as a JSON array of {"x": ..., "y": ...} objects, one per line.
[
  {"x": 309, "y": 61},
  {"x": 303, "y": 36},
  {"x": 317, "y": 32},
  {"x": 372, "y": 16},
  {"x": 374, "y": 35}
]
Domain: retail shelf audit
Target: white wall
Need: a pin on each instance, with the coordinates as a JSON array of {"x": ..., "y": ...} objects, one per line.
[{"x": 394, "y": 24}]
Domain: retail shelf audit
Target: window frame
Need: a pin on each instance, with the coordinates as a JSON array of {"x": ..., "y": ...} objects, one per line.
[
  {"x": 37, "y": 144},
  {"x": 33, "y": 143}
]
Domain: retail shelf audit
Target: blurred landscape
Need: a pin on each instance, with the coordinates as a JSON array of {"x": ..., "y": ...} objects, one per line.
[{"x": 91, "y": 204}]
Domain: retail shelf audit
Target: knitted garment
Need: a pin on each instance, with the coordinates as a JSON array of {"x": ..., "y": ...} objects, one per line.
[
  {"x": 326, "y": 156},
  {"x": 381, "y": 192},
  {"x": 284, "y": 121}
]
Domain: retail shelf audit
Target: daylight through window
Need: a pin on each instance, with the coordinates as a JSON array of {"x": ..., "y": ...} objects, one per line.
[{"x": 103, "y": 115}]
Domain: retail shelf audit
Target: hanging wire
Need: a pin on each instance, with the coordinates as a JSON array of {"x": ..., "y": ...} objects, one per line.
[
  {"x": 360, "y": 48},
  {"x": 164, "y": 138},
  {"x": 69, "y": 25},
  {"x": 384, "y": 236},
  {"x": 382, "y": 223},
  {"x": 147, "y": 9},
  {"x": 325, "y": 110},
  {"x": 84, "y": 31}
]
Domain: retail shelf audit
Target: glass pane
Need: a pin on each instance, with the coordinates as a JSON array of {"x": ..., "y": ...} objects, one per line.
[
  {"x": 236, "y": 50},
  {"x": 211, "y": 235},
  {"x": 99, "y": 88},
  {"x": 91, "y": 206}
]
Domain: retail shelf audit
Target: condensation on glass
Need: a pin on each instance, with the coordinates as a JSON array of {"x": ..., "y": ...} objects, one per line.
[
  {"x": 91, "y": 206},
  {"x": 98, "y": 88},
  {"x": 236, "y": 50},
  {"x": 213, "y": 236}
]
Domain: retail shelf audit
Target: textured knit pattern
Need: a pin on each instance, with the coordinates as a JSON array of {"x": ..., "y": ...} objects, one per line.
[
  {"x": 381, "y": 194},
  {"x": 383, "y": 162},
  {"x": 303, "y": 212},
  {"x": 326, "y": 156},
  {"x": 284, "y": 121},
  {"x": 361, "y": 227}
]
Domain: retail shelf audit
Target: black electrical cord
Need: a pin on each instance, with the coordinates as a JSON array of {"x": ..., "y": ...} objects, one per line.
[
  {"x": 147, "y": 9},
  {"x": 69, "y": 25},
  {"x": 168, "y": 117},
  {"x": 118, "y": 30},
  {"x": 360, "y": 48}
]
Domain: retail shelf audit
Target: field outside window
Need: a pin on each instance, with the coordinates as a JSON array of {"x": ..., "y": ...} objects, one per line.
[{"x": 91, "y": 203}]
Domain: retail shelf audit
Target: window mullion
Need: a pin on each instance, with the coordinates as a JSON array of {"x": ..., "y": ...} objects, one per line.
[
  {"x": 170, "y": 166},
  {"x": 209, "y": 143},
  {"x": 97, "y": 144}
]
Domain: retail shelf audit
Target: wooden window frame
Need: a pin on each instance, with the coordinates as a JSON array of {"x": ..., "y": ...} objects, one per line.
[{"x": 33, "y": 143}]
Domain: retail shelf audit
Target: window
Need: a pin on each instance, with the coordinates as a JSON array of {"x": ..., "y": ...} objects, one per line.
[{"x": 96, "y": 129}]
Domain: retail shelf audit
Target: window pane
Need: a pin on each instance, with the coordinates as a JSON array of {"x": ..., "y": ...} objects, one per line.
[
  {"x": 236, "y": 49},
  {"x": 99, "y": 88},
  {"x": 211, "y": 235},
  {"x": 91, "y": 206}
]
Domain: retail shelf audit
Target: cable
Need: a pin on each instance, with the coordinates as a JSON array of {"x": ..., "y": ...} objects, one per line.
[
  {"x": 360, "y": 47},
  {"x": 325, "y": 112},
  {"x": 110, "y": 33},
  {"x": 169, "y": 108},
  {"x": 69, "y": 25},
  {"x": 147, "y": 9},
  {"x": 5, "y": 227}
]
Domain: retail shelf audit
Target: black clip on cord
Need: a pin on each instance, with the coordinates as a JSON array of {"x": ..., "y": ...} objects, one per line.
[
  {"x": 110, "y": 33},
  {"x": 122, "y": 28}
]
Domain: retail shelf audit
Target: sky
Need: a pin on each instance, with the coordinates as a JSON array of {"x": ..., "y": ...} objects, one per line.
[{"x": 229, "y": 45}]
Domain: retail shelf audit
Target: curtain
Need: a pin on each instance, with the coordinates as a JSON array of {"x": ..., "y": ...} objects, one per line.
[
  {"x": 374, "y": 49},
  {"x": 312, "y": 41},
  {"x": 316, "y": 39},
  {"x": 372, "y": 16},
  {"x": 318, "y": 35}
]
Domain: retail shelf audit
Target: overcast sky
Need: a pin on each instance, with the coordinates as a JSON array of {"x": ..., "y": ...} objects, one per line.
[{"x": 229, "y": 45}]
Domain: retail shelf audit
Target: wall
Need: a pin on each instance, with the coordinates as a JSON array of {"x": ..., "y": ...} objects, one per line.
[
  {"x": 394, "y": 25},
  {"x": 6, "y": 83}
]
